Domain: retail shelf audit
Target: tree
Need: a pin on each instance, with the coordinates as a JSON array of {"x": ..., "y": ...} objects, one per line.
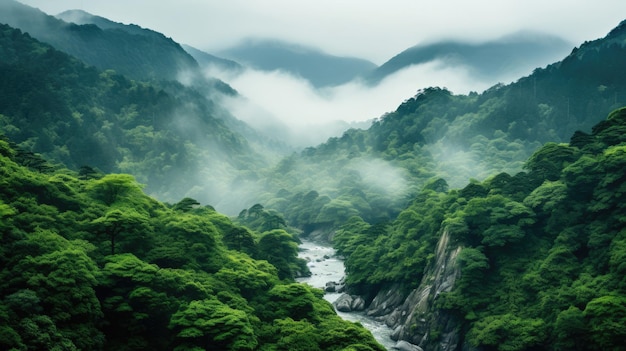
[
  {"x": 62, "y": 283},
  {"x": 281, "y": 250},
  {"x": 212, "y": 325},
  {"x": 118, "y": 221},
  {"x": 186, "y": 204},
  {"x": 570, "y": 330},
  {"x": 606, "y": 318},
  {"x": 240, "y": 239},
  {"x": 507, "y": 332},
  {"x": 116, "y": 187}
]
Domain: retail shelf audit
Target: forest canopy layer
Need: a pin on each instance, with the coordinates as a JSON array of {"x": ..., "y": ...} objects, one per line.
[{"x": 521, "y": 178}]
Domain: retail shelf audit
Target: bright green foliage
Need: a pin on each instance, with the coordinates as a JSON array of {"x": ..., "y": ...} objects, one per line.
[
  {"x": 507, "y": 332},
  {"x": 173, "y": 138},
  {"x": 96, "y": 264},
  {"x": 607, "y": 321},
  {"x": 88, "y": 261},
  {"x": 542, "y": 253},
  {"x": 210, "y": 324},
  {"x": 281, "y": 250}
]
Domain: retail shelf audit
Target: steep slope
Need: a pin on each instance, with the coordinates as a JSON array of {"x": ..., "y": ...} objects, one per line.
[
  {"x": 204, "y": 59},
  {"x": 207, "y": 60},
  {"x": 140, "y": 54},
  {"x": 317, "y": 67},
  {"x": 374, "y": 172},
  {"x": 90, "y": 262},
  {"x": 498, "y": 60},
  {"x": 169, "y": 136},
  {"x": 530, "y": 261}
]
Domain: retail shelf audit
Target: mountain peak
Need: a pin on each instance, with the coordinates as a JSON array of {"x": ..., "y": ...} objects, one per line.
[
  {"x": 312, "y": 64},
  {"x": 619, "y": 30}
]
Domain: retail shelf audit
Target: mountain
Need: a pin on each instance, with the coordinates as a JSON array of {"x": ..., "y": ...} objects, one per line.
[
  {"x": 531, "y": 261},
  {"x": 81, "y": 17},
  {"x": 207, "y": 60},
  {"x": 374, "y": 173},
  {"x": 499, "y": 60},
  {"x": 90, "y": 262},
  {"x": 487, "y": 221},
  {"x": 169, "y": 136},
  {"x": 132, "y": 51},
  {"x": 319, "y": 68},
  {"x": 491, "y": 221}
]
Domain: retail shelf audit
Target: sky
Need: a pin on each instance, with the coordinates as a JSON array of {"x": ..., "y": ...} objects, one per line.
[{"x": 372, "y": 30}]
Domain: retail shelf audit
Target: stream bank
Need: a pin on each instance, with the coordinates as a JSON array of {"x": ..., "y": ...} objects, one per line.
[{"x": 326, "y": 267}]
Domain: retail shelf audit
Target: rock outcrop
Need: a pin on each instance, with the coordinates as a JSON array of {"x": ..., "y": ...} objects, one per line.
[
  {"x": 406, "y": 346},
  {"x": 349, "y": 303},
  {"x": 413, "y": 317}
]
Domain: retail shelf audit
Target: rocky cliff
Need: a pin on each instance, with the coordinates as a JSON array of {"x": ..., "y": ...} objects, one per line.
[{"x": 414, "y": 317}]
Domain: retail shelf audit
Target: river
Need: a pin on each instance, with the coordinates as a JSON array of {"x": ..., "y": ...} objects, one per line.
[{"x": 326, "y": 267}]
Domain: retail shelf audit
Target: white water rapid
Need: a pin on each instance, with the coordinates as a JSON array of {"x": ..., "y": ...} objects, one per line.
[{"x": 326, "y": 267}]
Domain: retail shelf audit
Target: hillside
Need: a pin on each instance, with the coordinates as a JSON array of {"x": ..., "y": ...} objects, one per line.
[
  {"x": 139, "y": 54},
  {"x": 375, "y": 172},
  {"x": 498, "y": 60},
  {"x": 169, "y": 136},
  {"x": 202, "y": 58},
  {"x": 479, "y": 222},
  {"x": 317, "y": 67},
  {"x": 90, "y": 262},
  {"x": 206, "y": 60},
  {"x": 531, "y": 261}
]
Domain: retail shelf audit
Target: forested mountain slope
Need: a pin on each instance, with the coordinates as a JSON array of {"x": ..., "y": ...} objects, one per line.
[
  {"x": 531, "y": 261},
  {"x": 319, "y": 68},
  {"x": 501, "y": 59},
  {"x": 203, "y": 59},
  {"x": 535, "y": 259},
  {"x": 436, "y": 133},
  {"x": 149, "y": 55},
  {"x": 89, "y": 262},
  {"x": 169, "y": 136}
]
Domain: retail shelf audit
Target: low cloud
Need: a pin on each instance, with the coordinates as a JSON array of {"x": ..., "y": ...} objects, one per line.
[
  {"x": 290, "y": 108},
  {"x": 382, "y": 176}
]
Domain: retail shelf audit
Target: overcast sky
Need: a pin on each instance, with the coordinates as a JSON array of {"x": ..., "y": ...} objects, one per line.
[{"x": 374, "y": 30}]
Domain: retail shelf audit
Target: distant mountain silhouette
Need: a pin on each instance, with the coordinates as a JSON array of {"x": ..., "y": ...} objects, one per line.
[
  {"x": 203, "y": 58},
  {"x": 129, "y": 50},
  {"x": 506, "y": 58},
  {"x": 207, "y": 60},
  {"x": 319, "y": 68}
]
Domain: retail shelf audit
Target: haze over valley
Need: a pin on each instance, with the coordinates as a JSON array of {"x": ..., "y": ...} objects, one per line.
[
  {"x": 325, "y": 92},
  {"x": 165, "y": 166}
]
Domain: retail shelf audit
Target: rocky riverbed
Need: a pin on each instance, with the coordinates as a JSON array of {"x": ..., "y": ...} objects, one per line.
[{"x": 328, "y": 272}]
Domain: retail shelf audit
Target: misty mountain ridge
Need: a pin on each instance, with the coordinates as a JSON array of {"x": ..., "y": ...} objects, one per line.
[
  {"x": 502, "y": 59},
  {"x": 314, "y": 65},
  {"x": 208, "y": 61},
  {"x": 128, "y": 49},
  {"x": 535, "y": 234},
  {"x": 204, "y": 59}
]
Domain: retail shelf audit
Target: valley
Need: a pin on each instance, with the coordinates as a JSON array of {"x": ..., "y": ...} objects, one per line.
[{"x": 157, "y": 196}]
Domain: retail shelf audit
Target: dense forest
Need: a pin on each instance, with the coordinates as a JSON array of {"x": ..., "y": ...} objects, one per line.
[
  {"x": 438, "y": 134},
  {"x": 89, "y": 262},
  {"x": 170, "y": 136},
  {"x": 541, "y": 252},
  {"x": 110, "y": 183}
]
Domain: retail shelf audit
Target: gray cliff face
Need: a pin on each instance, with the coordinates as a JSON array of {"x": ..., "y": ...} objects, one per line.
[{"x": 414, "y": 318}]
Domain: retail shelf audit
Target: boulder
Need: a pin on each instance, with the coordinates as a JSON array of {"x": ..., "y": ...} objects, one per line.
[
  {"x": 406, "y": 346},
  {"x": 330, "y": 287},
  {"x": 358, "y": 303},
  {"x": 344, "y": 303}
]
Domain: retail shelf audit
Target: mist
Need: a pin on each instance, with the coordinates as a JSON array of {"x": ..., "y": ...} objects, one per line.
[{"x": 290, "y": 109}]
